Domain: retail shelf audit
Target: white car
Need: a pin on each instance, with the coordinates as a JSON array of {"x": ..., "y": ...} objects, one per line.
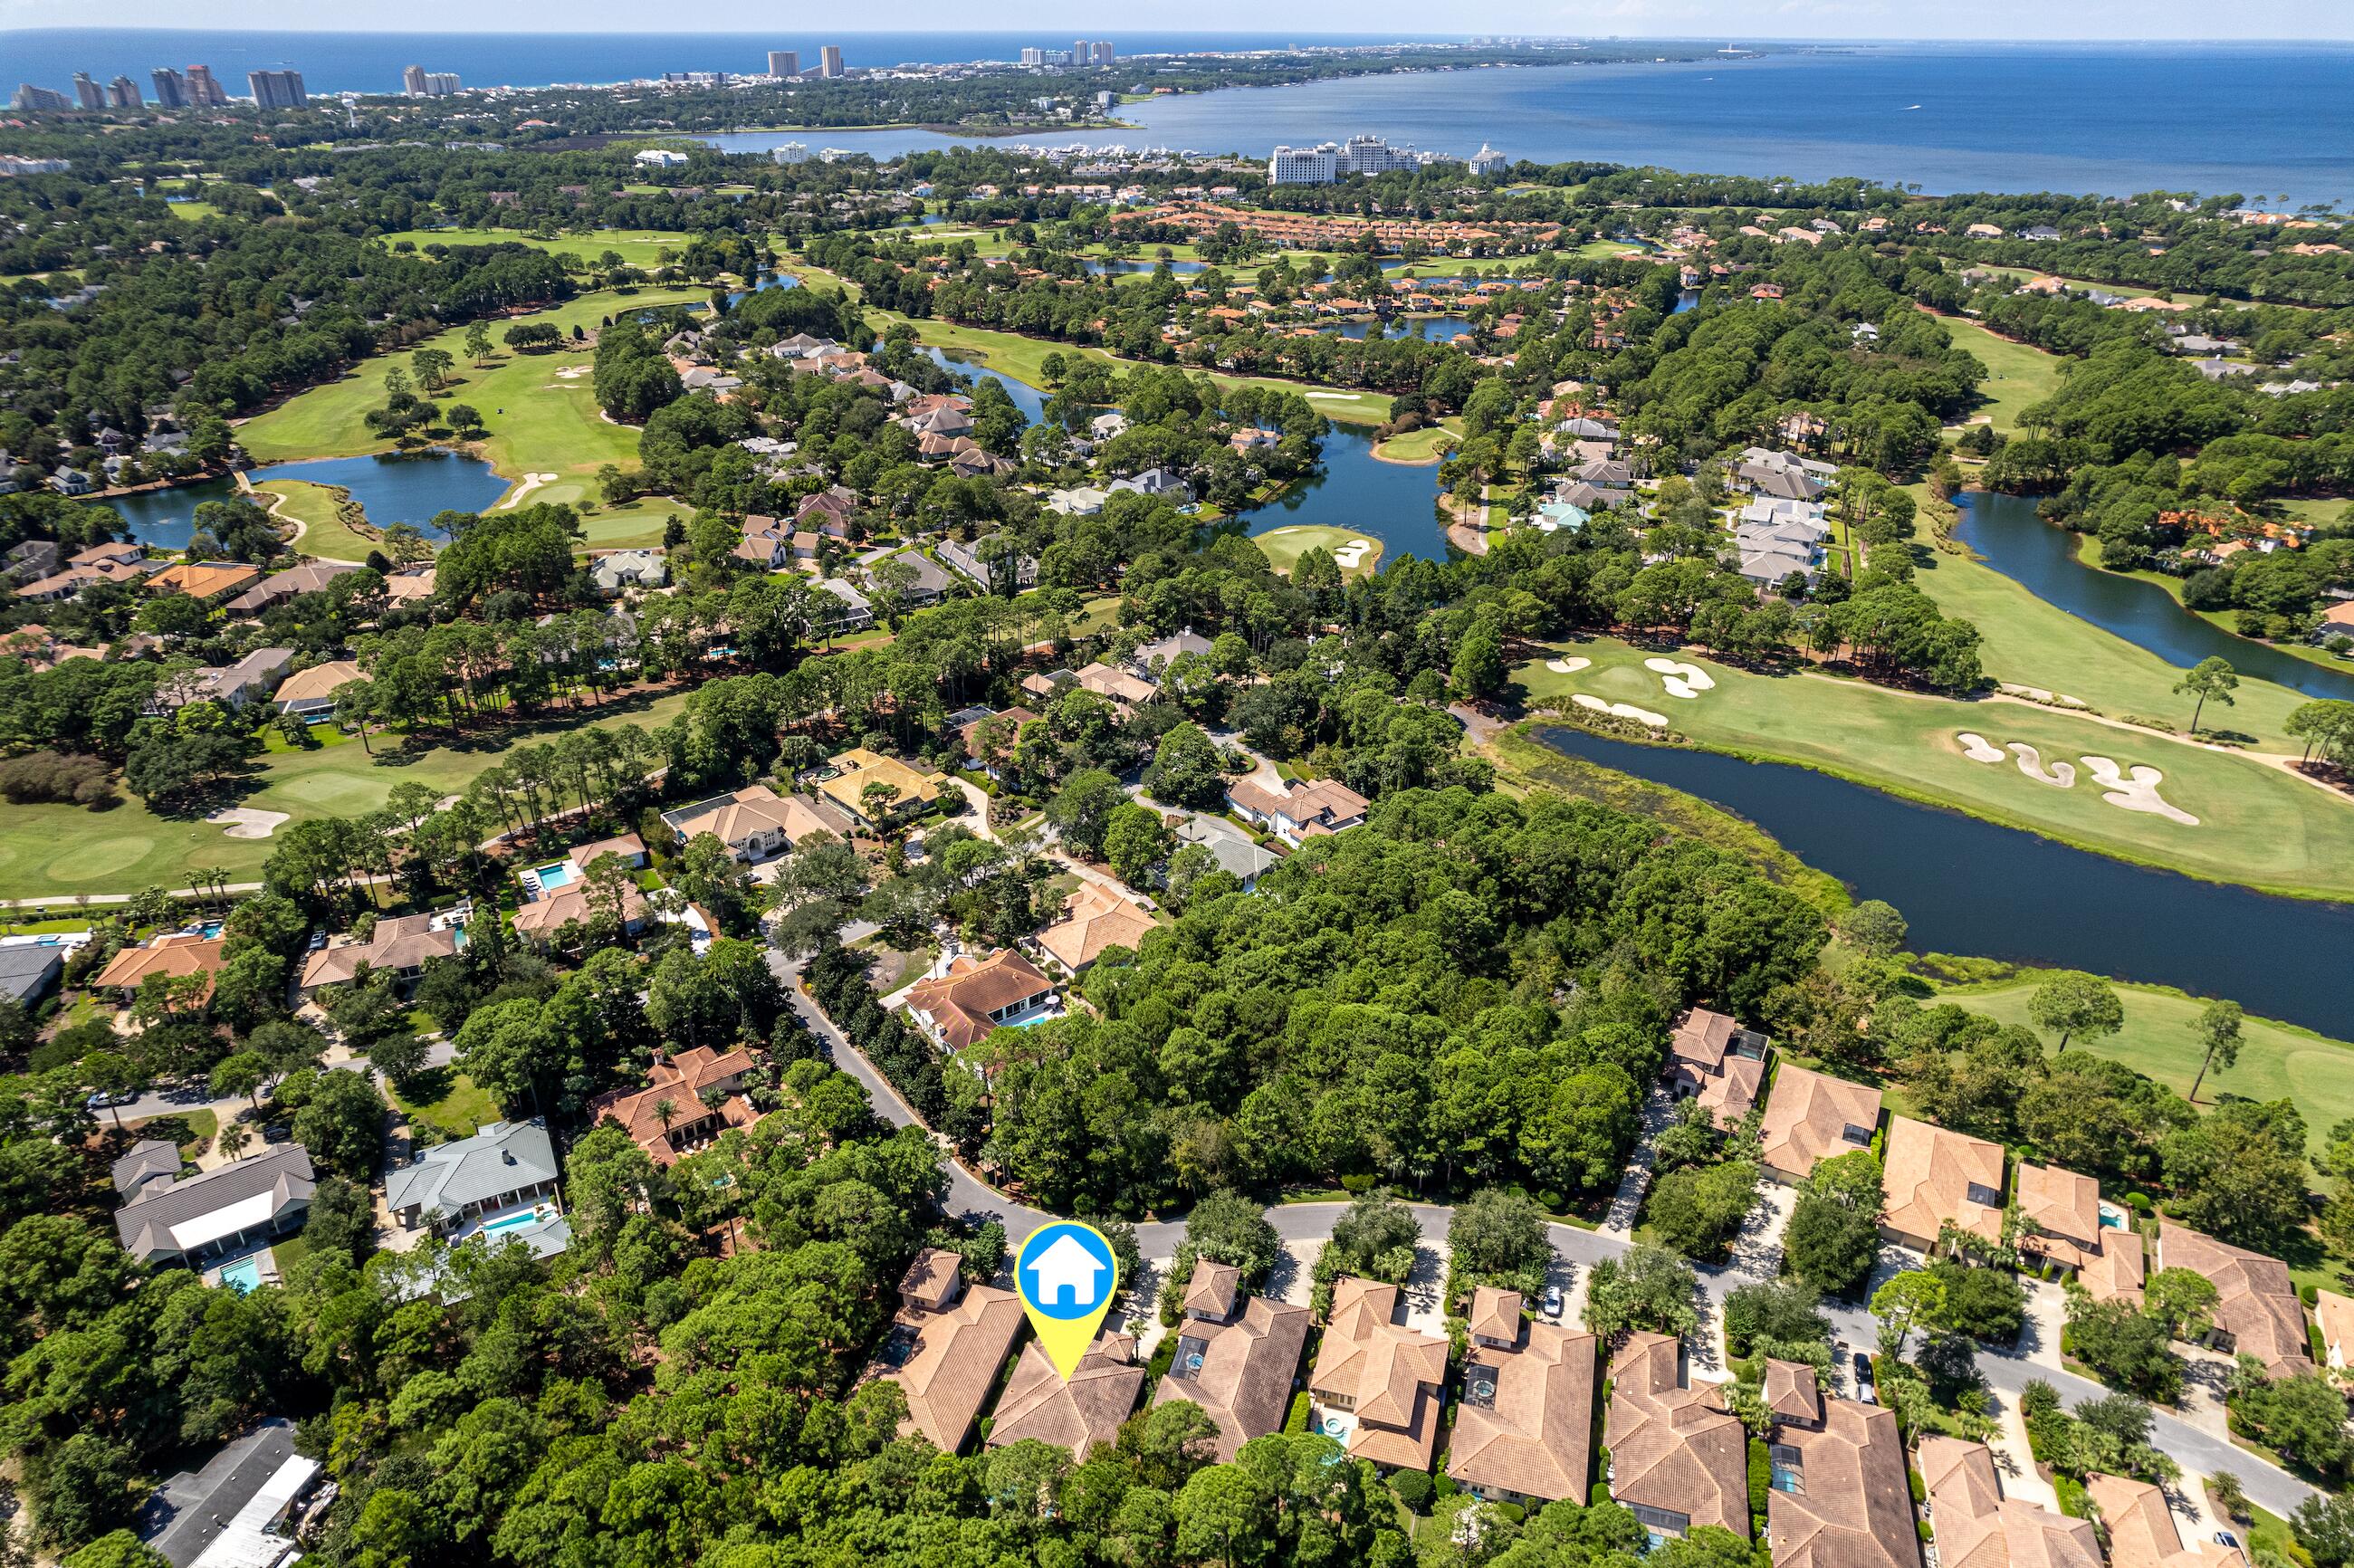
[{"x": 1552, "y": 1301}]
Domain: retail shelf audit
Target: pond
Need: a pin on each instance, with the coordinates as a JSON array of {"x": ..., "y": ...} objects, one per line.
[
  {"x": 393, "y": 487},
  {"x": 1395, "y": 502},
  {"x": 1433, "y": 329},
  {"x": 1970, "y": 887},
  {"x": 2041, "y": 557},
  {"x": 1102, "y": 268},
  {"x": 1026, "y": 398},
  {"x": 767, "y": 281}
]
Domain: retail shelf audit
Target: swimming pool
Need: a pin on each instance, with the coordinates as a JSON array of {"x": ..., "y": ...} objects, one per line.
[
  {"x": 553, "y": 876},
  {"x": 515, "y": 1220},
  {"x": 243, "y": 1274}
]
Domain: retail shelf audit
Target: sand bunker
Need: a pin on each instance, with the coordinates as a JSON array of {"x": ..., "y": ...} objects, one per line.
[
  {"x": 2135, "y": 791},
  {"x": 2059, "y": 775},
  {"x": 1977, "y": 747},
  {"x": 1567, "y": 666},
  {"x": 531, "y": 482},
  {"x": 1621, "y": 710},
  {"x": 1682, "y": 679},
  {"x": 1352, "y": 555},
  {"x": 244, "y": 823},
  {"x": 574, "y": 372},
  {"x": 1338, "y": 397}
]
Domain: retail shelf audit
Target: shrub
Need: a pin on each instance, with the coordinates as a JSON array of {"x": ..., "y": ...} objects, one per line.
[
  {"x": 1296, "y": 1421},
  {"x": 41, "y": 777},
  {"x": 1414, "y": 1489}
]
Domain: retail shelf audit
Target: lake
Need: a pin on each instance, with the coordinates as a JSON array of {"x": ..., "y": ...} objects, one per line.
[
  {"x": 2015, "y": 541},
  {"x": 1394, "y": 502},
  {"x": 1970, "y": 887},
  {"x": 1103, "y": 269},
  {"x": 394, "y": 489},
  {"x": 1434, "y": 329}
]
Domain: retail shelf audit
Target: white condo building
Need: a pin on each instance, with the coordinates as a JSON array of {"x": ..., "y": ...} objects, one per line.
[{"x": 1330, "y": 161}]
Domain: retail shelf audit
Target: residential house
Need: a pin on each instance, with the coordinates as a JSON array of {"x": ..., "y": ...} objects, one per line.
[
  {"x": 1085, "y": 501},
  {"x": 1122, "y": 690},
  {"x": 310, "y": 577},
  {"x": 755, "y": 823},
  {"x": 1152, "y": 658},
  {"x": 2070, "y": 1226},
  {"x": 178, "y": 956},
  {"x": 1523, "y": 1430},
  {"x": 1713, "y": 1060},
  {"x": 1814, "y": 1116},
  {"x": 1678, "y": 1459},
  {"x": 1008, "y": 724},
  {"x": 1093, "y": 920},
  {"x": 29, "y": 971},
  {"x": 1838, "y": 1497},
  {"x": 964, "y": 558},
  {"x": 400, "y": 944},
  {"x": 1237, "y": 852},
  {"x": 451, "y": 1189},
  {"x": 1077, "y": 1414},
  {"x": 912, "y": 793},
  {"x": 927, "y": 582},
  {"x": 72, "y": 481},
  {"x": 970, "y": 997},
  {"x": 253, "y": 677},
  {"x": 1300, "y": 810},
  {"x": 537, "y": 920},
  {"x": 945, "y": 1346},
  {"x": 233, "y": 1512},
  {"x": 2257, "y": 1312},
  {"x": 2334, "y": 1315},
  {"x": 311, "y": 693},
  {"x": 1239, "y": 1367},
  {"x": 205, "y": 579},
  {"x": 617, "y": 571},
  {"x": 1935, "y": 1177},
  {"x": 629, "y": 846},
  {"x": 149, "y": 1160},
  {"x": 216, "y": 1212},
  {"x": 2141, "y": 1529},
  {"x": 828, "y": 511},
  {"x": 851, "y": 611},
  {"x": 1387, "y": 1376},
  {"x": 689, "y": 1100},
  {"x": 409, "y": 585},
  {"x": 1977, "y": 1527},
  {"x": 1165, "y": 481}
]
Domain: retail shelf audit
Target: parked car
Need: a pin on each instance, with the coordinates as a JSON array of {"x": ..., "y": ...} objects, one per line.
[
  {"x": 1552, "y": 1301},
  {"x": 2224, "y": 1538},
  {"x": 107, "y": 1102}
]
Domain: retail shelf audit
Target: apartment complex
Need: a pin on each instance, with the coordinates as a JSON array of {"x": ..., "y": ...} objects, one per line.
[{"x": 277, "y": 88}]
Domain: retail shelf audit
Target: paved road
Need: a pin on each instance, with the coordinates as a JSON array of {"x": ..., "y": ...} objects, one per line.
[{"x": 2007, "y": 1372}]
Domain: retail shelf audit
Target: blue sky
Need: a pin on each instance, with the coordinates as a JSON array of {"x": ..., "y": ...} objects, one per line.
[{"x": 2118, "y": 20}]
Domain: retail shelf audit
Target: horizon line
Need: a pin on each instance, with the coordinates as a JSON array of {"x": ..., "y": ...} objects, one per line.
[{"x": 1726, "y": 39}]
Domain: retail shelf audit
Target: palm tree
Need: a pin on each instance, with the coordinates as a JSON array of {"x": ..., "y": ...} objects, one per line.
[{"x": 234, "y": 1138}]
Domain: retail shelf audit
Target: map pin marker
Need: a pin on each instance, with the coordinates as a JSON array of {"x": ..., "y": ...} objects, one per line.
[{"x": 1068, "y": 1276}]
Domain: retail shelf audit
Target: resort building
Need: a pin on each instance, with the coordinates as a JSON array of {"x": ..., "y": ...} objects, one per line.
[
  {"x": 958, "y": 1006},
  {"x": 499, "y": 1183},
  {"x": 1076, "y": 1414},
  {"x": 1299, "y": 811},
  {"x": 218, "y": 1212},
  {"x": 1814, "y": 1116},
  {"x": 1935, "y": 1177},
  {"x": 1386, "y": 1377},
  {"x": 1977, "y": 1527},
  {"x": 178, "y": 956},
  {"x": 402, "y": 944},
  {"x": 2257, "y": 1312},
  {"x": 945, "y": 1346},
  {"x": 855, "y": 772},
  {"x": 1838, "y": 1497},
  {"x": 1713, "y": 1060},
  {"x": 1678, "y": 1457},
  {"x": 1239, "y": 1367},
  {"x": 1093, "y": 920},
  {"x": 1523, "y": 1429},
  {"x": 675, "y": 1113}
]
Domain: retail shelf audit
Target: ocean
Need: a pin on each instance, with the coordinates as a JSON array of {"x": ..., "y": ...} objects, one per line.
[{"x": 2265, "y": 119}]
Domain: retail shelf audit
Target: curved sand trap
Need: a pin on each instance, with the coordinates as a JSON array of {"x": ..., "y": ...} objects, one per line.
[
  {"x": 1322, "y": 397},
  {"x": 1977, "y": 747},
  {"x": 2059, "y": 775},
  {"x": 574, "y": 372},
  {"x": 1352, "y": 555},
  {"x": 1567, "y": 666},
  {"x": 244, "y": 823},
  {"x": 531, "y": 482},
  {"x": 2135, "y": 791},
  {"x": 1682, "y": 679},
  {"x": 1621, "y": 710}
]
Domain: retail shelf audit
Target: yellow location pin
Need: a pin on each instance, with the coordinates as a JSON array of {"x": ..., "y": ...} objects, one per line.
[{"x": 1068, "y": 1276}]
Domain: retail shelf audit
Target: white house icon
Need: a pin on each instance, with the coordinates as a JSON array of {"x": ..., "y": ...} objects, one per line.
[{"x": 1067, "y": 1269}]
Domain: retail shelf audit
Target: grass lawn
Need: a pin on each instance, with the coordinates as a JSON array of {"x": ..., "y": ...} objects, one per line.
[
  {"x": 194, "y": 210},
  {"x": 54, "y": 852},
  {"x": 1425, "y": 445},
  {"x": 640, "y": 248},
  {"x": 449, "y": 1100},
  {"x": 2016, "y": 374},
  {"x": 2258, "y": 826},
  {"x": 1284, "y": 547},
  {"x": 628, "y": 526},
  {"x": 539, "y": 407},
  {"x": 191, "y": 1129},
  {"x": 2277, "y": 1061},
  {"x": 313, "y": 506}
]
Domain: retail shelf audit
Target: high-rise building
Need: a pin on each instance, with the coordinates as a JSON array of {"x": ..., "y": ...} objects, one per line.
[
  {"x": 277, "y": 88},
  {"x": 1034, "y": 57},
  {"x": 829, "y": 60},
  {"x": 792, "y": 152},
  {"x": 1104, "y": 54},
  {"x": 171, "y": 88},
  {"x": 31, "y": 100},
  {"x": 91, "y": 96},
  {"x": 412, "y": 81},
  {"x": 1488, "y": 161},
  {"x": 205, "y": 89},
  {"x": 784, "y": 62},
  {"x": 1079, "y": 52},
  {"x": 123, "y": 93},
  {"x": 1303, "y": 166},
  {"x": 441, "y": 83}
]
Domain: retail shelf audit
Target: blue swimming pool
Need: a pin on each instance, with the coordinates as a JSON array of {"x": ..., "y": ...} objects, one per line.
[
  {"x": 515, "y": 1220},
  {"x": 552, "y": 877},
  {"x": 243, "y": 1274}
]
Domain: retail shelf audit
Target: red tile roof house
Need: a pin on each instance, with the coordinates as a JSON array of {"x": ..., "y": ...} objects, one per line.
[
  {"x": 681, "y": 1081},
  {"x": 1839, "y": 1497},
  {"x": 1813, "y": 1116},
  {"x": 945, "y": 1346},
  {"x": 1934, "y": 1176},
  {"x": 1678, "y": 1457},
  {"x": 1239, "y": 1367},
  {"x": 1300, "y": 810},
  {"x": 1388, "y": 1376},
  {"x": 1715, "y": 1061},
  {"x": 959, "y": 1008},
  {"x": 2257, "y": 1312},
  {"x": 1077, "y": 1415},
  {"x": 1977, "y": 1527},
  {"x": 2065, "y": 1211},
  {"x": 1523, "y": 1432}
]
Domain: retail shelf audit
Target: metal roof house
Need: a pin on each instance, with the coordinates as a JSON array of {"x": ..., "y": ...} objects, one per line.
[
  {"x": 452, "y": 1186},
  {"x": 219, "y": 1211}
]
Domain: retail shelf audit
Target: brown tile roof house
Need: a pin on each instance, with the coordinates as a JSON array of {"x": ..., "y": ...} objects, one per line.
[
  {"x": 310, "y": 577},
  {"x": 1715, "y": 1061},
  {"x": 204, "y": 579},
  {"x": 968, "y": 736},
  {"x": 944, "y": 1347},
  {"x": 1523, "y": 1432},
  {"x": 1300, "y": 811},
  {"x": 314, "y": 690},
  {"x": 1812, "y": 1117},
  {"x": 2066, "y": 1211},
  {"x": 755, "y": 823},
  {"x": 959, "y": 1008},
  {"x": 1076, "y": 1415},
  {"x": 409, "y": 585},
  {"x": 1934, "y": 1175},
  {"x": 855, "y": 770},
  {"x": 183, "y": 954},
  {"x": 542, "y": 918},
  {"x": 1841, "y": 1498},
  {"x": 1977, "y": 1527},
  {"x": 2142, "y": 1532},
  {"x": 2257, "y": 1310},
  {"x": 401, "y": 944},
  {"x": 681, "y": 1081},
  {"x": 1678, "y": 1458},
  {"x": 1210, "y": 1294},
  {"x": 1093, "y": 918},
  {"x": 1239, "y": 1371},
  {"x": 2334, "y": 1315},
  {"x": 1122, "y": 689},
  {"x": 1388, "y": 1375}
]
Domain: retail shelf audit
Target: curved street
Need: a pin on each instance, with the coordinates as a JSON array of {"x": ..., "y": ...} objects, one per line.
[{"x": 2006, "y": 1371}]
